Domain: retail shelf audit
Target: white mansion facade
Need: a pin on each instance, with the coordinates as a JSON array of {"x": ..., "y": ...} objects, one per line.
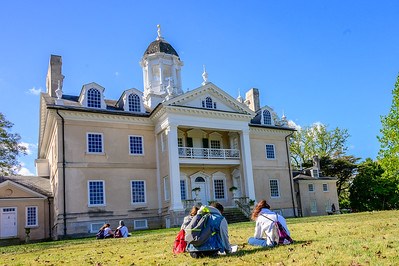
[{"x": 148, "y": 156}]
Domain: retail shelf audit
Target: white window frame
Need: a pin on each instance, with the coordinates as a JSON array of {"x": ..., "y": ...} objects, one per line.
[
  {"x": 134, "y": 104},
  {"x": 94, "y": 227},
  {"x": 325, "y": 187},
  {"x": 313, "y": 206},
  {"x": 88, "y": 144},
  {"x": 311, "y": 187},
  {"x": 166, "y": 188},
  {"x": 274, "y": 152},
  {"x": 223, "y": 179},
  {"x": 136, "y": 222},
  {"x": 88, "y": 95},
  {"x": 88, "y": 193},
  {"x": 278, "y": 188},
  {"x": 131, "y": 192},
  {"x": 35, "y": 218},
  {"x": 263, "y": 117},
  {"x": 315, "y": 173},
  {"x": 185, "y": 189},
  {"x": 130, "y": 144}
]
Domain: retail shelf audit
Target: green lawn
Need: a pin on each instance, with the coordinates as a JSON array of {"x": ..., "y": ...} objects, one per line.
[{"x": 349, "y": 239}]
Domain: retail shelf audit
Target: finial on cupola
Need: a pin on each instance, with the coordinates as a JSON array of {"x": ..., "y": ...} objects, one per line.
[
  {"x": 159, "y": 33},
  {"x": 205, "y": 76}
]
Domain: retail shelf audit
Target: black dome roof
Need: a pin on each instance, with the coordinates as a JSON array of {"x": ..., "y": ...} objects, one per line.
[{"x": 160, "y": 46}]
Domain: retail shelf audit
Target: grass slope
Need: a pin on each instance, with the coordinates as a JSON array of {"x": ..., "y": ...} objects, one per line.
[{"x": 349, "y": 239}]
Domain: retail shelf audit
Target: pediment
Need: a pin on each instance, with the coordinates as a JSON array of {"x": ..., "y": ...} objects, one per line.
[
  {"x": 10, "y": 189},
  {"x": 209, "y": 97}
]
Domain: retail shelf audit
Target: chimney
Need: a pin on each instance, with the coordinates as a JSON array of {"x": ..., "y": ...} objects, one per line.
[
  {"x": 54, "y": 75},
  {"x": 316, "y": 162},
  {"x": 252, "y": 99}
]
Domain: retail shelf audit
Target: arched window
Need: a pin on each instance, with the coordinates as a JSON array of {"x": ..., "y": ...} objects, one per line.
[
  {"x": 199, "y": 179},
  {"x": 208, "y": 103},
  {"x": 93, "y": 98},
  {"x": 267, "y": 118},
  {"x": 134, "y": 103}
]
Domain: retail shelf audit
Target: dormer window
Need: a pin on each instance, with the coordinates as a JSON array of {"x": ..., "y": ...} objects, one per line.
[
  {"x": 267, "y": 117},
  {"x": 134, "y": 103},
  {"x": 93, "y": 98},
  {"x": 315, "y": 173}
]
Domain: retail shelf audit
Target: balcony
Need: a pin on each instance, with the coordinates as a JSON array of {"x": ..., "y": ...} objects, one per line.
[{"x": 204, "y": 153}]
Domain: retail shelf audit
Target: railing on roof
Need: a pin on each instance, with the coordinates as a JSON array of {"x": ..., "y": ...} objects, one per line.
[{"x": 204, "y": 153}]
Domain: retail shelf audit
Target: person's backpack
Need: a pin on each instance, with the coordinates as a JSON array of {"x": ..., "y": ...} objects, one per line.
[
  {"x": 118, "y": 233},
  {"x": 180, "y": 243},
  {"x": 198, "y": 231},
  {"x": 279, "y": 234},
  {"x": 100, "y": 234}
]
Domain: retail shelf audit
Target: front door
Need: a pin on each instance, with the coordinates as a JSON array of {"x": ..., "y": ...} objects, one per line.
[
  {"x": 8, "y": 222},
  {"x": 203, "y": 193}
]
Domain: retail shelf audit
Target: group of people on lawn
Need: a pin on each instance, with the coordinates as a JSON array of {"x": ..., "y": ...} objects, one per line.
[
  {"x": 261, "y": 214},
  {"x": 106, "y": 231}
]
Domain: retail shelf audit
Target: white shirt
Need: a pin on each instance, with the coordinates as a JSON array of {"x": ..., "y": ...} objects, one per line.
[{"x": 263, "y": 228}]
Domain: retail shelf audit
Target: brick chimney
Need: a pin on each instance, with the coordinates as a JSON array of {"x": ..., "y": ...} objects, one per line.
[
  {"x": 54, "y": 75},
  {"x": 252, "y": 99}
]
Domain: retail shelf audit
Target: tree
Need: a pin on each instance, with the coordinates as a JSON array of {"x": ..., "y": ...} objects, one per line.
[
  {"x": 317, "y": 140},
  {"x": 370, "y": 190},
  {"x": 10, "y": 148},
  {"x": 344, "y": 168},
  {"x": 389, "y": 152}
]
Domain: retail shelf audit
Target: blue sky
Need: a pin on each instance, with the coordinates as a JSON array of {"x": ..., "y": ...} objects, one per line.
[{"x": 333, "y": 62}]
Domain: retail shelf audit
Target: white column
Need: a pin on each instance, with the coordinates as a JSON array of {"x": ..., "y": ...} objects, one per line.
[
  {"x": 174, "y": 169},
  {"x": 247, "y": 164}
]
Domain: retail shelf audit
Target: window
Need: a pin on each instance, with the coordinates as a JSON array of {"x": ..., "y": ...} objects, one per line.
[
  {"x": 134, "y": 103},
  {"x": 325, "y": 187},
  {"x": 315, "y": 172},
  {"x": 270, "y": 154},
  {"x": 166, "y": 187},
  {"x": 94, "y": 143},
  {"x": 208, "y": 103},
  {"x": 310, "y": 187},
  {"x": 93, "y": 98},
  {"x": 183, "y": 190},
  {"x": 96, "y": 193},
  {"x": 274, "y": 189},
  {"x": 215, "y": 144},
  {"x": 219, "y": 188},
  {"x": 31, "y": 216},
  {"x": 95, "y": 227},
  {"x": 179, "y": 142},
  {"x": 267, "y": 118},
  {"x": 313, "y": 206},
  {"x": 140, "y": 224},
  {"x": 136, "y": 145},
  {"x": 138, "y": 191}
]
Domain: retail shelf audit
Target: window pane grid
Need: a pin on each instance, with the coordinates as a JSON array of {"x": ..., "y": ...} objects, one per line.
[
  {"x": 270, "y": 151},
  {"x": 136, "y": 145},
  {"x": 96, "y": 193},
  {"x": 274, "y": 191},
  {"x": 267, "y": 118},
  {"x": 219, "y": 189},
  {"x": 31, "y": 216},
  {"x": 134, "y": 103},
  {"x": 95, "y": 143},
  {"x": 138, "y": 193},
  {"x": 215, "y": 144},
  {"x": 183, "y": 190},
  {"x": 93, "y": 98},
  {"x": 208, "y": 102}
]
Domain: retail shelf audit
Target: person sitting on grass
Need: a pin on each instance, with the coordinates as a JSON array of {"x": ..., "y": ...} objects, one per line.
[
  {"x": 264, "y": 218},
  {"x": 189, "y": 217},
  {"x": 122, "y": 230},
  {"x": 107, "y": 230}
]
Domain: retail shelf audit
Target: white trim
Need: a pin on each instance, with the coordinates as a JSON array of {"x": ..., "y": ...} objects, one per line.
[
  {"x": 166, "y": 188},
  {"x": 131, "y": 192},
  {"x": 135, "y": 227},
  {"x": 97, "y": 226},
  {"x": 313, "y": 187},
  {"x": 219, "y": 176},
  {"x": 36, "y": 217},
  {"x": 88, "y": 194},
  {"x": 278, "y": 189},
  {"x": 142, "y": 145},
  {"x": 102, "y": 143},
  {"x": 274, "y": 152},
  {"x": 327, "y": 190}
]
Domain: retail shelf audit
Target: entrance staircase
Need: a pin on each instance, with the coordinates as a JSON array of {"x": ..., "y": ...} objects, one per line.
[{"x": 234, "y": 215}]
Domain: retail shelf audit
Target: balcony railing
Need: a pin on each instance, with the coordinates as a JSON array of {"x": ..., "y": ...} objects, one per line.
[{"x": 203, "y": 153}]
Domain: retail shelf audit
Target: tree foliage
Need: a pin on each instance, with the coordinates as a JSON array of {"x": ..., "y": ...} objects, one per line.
[
  {"x": 370, "y": 190},
  {"x": 389, "y": 152},
  {"x": 317, "y": 140},
  {"x": 10, "y": 148}
]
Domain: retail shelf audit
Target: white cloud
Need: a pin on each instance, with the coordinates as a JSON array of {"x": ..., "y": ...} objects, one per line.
[
  {"x": 30, "y": 147},
  {"x": 116, "y": 73},
  {"x": 24, "y": 171},
  {"x": 294, "y": 125},
  {"x": 35, "y": 91}
]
